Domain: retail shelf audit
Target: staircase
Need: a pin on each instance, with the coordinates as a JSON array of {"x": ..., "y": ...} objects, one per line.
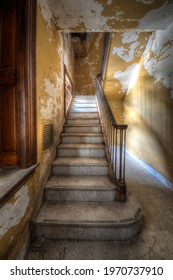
[{"x": 79, "y": 196}]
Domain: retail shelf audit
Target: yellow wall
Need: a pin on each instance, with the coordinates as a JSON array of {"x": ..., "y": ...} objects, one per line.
[
  {"x": 52, "y": 51},
  {"x": 139, "y": 76},
  {"x": 88, "y": 67},
  {"x": 149, "y": 105}
]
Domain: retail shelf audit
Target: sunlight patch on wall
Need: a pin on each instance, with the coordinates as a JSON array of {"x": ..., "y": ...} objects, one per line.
[{"x": 128, "y": 78}]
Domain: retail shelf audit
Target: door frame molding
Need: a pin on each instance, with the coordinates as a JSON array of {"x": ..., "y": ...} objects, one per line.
[{"x": 26, "y": 75}]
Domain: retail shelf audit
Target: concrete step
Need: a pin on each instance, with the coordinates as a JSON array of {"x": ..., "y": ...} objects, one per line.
[
  {"x": 85, "y": 109},
  {"x": 88, "y": 138},
  {"x": 83, "y": 128},
  {"x": 80, "y": 188},
  {"x": 83, "y": 115},
  {"x": 80, "y": 166},
  {"x": 83, "y": 121},
  {"x": 81, "y": 150},
  {"x": 89, "y": 220}
]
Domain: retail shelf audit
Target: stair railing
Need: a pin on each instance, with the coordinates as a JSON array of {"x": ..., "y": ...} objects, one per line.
[{"x": 115, "y": 138}]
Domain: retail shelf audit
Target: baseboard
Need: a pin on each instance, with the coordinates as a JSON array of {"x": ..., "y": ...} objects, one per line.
[{"x": 152, "y": 171}]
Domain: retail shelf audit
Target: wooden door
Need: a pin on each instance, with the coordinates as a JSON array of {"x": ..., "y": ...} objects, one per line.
[{"x": 8, "y": 83}]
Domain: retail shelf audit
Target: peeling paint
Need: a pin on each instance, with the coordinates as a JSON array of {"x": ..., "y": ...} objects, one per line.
[
  {"x": 12, "y": 213},
  {"x": 159, "y": 18},
  {"x": 158, "y": 57},
  {"x": 126, "y": 54},
  {"x": 108, "y": 16}
]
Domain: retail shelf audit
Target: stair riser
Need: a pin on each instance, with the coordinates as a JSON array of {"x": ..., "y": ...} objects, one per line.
[
  {"x": 82, "y": 121},
  {"x": 83, "y": 115},
  {"x": 81, "y": 152},
  {"x": 78, "y": 195},
  {"x": 83, "y": 232},
  {"x": 82, "y": 139},
  {"x": 86, "y": 109},
  {"x": 77, "y": 170},
  {"x": 89, "y": 129}
]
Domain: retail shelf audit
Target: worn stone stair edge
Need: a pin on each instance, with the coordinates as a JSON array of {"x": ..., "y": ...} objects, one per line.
[
  {"x": 84, "y": 125},
  {"x": 80, "y": 146},
  {"x": 90, "y": 224},
  {"x": 53, "y": 187},
  {"x": 81, "y": 134}
]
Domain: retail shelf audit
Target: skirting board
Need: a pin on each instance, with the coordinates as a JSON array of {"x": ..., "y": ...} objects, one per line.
[{"x": 152, "y": 171}]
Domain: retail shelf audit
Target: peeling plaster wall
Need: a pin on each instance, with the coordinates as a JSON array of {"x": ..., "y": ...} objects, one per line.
[
  {"x": 139, "y": 79},
  {"x": 88, "y": 67},
  {"x": 123, "y": 64},
  {"x": 149, "y": 105},
  {"x": 110, "y": 16},
  {"x": 53, "y": 50}
]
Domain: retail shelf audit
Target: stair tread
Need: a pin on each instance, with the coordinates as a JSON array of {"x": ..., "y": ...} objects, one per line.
[
  {"x": 80, "y": 183},
  {"x": 82, "y": 125},
  {"x": 81, "y": 134},
  {"x": 81, "y": 146},
  {"x": 72, "y": 213},
  {"x": 80, "y": 161}
]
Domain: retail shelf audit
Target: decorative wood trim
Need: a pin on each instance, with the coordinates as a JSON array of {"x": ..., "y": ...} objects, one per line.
[{"x": 26, "y": 82}]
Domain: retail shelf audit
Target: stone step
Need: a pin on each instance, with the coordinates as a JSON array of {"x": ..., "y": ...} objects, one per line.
[
  {"x": 83, "y": 115},
  {"x": 89, "y": 220},
  {"x": 80, "y": 188},
  {"x": 84, "y": 101},
  {"x": 81, "y": 150},
  {"x": 84, "y": 97},
  {"x": 83, "y": 128},
  {"x": 83, "y": 105},
  {"x": 83, "y": 121},
  {"x": 88, "y": 138},
  {"x": 85, "y": 109},
  {"x": 80, "y": 166}
]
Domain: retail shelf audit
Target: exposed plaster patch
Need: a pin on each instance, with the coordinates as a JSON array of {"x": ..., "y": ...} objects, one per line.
[
  {"x": 128, "y": 78},
  {"x": 49, "y": 105},
  {"x": 47, "y": 15},
  {"x": 127, "y": 54},
  {"x": 159, "y": 18},
  {"x": 158, "y": 57},
  {"x": 129, "y": 37},
  {"x": 12, "y": 213}
]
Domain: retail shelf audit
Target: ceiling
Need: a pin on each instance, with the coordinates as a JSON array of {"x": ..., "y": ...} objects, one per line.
[{"x": 108, "y": 15}]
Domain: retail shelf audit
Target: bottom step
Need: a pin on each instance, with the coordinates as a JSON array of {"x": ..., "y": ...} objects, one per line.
[{"x": 89, "y": 220}]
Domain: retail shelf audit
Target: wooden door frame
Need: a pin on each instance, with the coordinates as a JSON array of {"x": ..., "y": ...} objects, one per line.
[{"x": 26, "y": 82}]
